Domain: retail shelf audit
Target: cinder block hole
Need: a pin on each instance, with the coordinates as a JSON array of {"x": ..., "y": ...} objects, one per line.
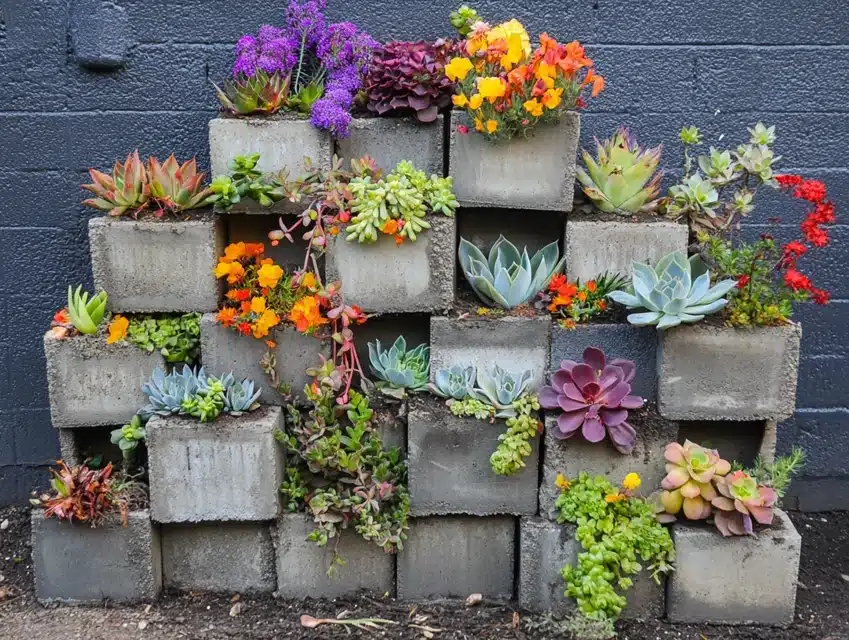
[
  {"x": 735, "y": 441},
  {"x": 79, "y": 445},
  {"x": 255, "y": 228},
  {"x": 415, "y": 327}
]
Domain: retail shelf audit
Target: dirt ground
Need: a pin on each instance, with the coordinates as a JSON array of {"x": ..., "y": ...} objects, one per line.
[{"x": 821, "y": 612}]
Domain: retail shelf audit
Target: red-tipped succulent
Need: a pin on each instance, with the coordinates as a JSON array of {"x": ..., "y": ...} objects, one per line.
[
  {"x": 742, "y": 499},
  {"x": 82, "y": 494}
]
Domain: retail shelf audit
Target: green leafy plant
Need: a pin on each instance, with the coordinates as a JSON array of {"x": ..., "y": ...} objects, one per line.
[
  {"x": 262, "y": 93},
  {"x": 246, "y": 181},
  {"x": 175, "y": 337},
  {"x": 128, "y": 438},
  {"x": 398, "y": 369},
  {"x": 86, "y": 314},
  {"x": 779, "y": 474},
  {"x": 463, "y": 19}
]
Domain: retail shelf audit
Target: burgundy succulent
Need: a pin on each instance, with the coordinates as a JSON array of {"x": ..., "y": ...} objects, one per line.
[
  {"x": 408, "y": 78},
  {"x": 594, "y": 396}
]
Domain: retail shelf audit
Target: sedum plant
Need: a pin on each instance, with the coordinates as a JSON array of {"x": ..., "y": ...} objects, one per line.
[
  {"x": 688, "y": 485},
  {"x": 456, "y": 383},
  {"x": 86, "y": 314},
  {"x": 507, "y": 278},
  {"x": 128, "y": 438},
  {"x": 676, "y": 290},
  {"x": 125, "y": 191},
  {"x": 175, "y": 337},
  {"x": 398, "y": 369}
]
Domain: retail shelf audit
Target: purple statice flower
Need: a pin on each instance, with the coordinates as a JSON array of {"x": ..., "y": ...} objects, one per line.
[
  {"x": 271, "y": 51},
  {"x": 345, "y": 45},
  {"x": 306, "y": 21},
  {"x": 330, "y": 115}
]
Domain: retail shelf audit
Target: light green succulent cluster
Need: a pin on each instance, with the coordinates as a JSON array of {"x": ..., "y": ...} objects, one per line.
[
  {"x": 175, "y": 337},
  {"x": 86, "y": 314},
  {"x": 128, "y": 438},
  {"x": 398, "y": 369},
  {"x": 514, "y": 445}
]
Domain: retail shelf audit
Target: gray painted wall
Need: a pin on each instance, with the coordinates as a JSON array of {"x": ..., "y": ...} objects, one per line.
[{"x": 722, "y": 65}]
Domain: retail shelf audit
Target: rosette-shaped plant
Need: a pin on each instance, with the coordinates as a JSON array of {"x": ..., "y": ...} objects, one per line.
[
  {"x": 124, "y": 191},
  {"x": 86, "y": 314},
  {"x": 691, "y": 472},
  {"x": 594, "y": 396},
  {"x": 262, "y": 93},
  {"x": 455, "y": 383},
  {"x": 176, "y": 187},
  {"x": 398, "y": 369},
  {"x": 409, "y": 78},
  {"x": 741, "y": 500},
  {"x": 500, "y": 388}
]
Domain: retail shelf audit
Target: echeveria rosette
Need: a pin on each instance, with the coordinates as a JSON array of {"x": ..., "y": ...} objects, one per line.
[
  {"x": 691, "y": 471},
  {"x": 594, "y": 396},
  {"x": 742, "y": 499}
]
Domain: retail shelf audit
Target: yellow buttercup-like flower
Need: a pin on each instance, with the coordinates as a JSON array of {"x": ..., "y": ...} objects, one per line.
[
  {"x": 552, "y": 98},
  {"x": 507, "y": 29},
  {"x": 475, "y": 102},
  {"x": 269, "y": 275},
  {"x": 457, "y": 69},
  {"x": 614, "y": 497},
  {"x": 561, "y": 482},
  {"x": 268, "y": 320},
  {"x": 460, "y": 100},
  {"x": 491, "y": 126},
  {"x": 478, "y": 124},
  {"x": 533, "y": 107},
  {"x": 515, "y": 52},
  {"x": 117, "y": 329},
  {"x": 632, "y": 481},
  {"x": 258, "y": 304},
  {"x": 491, "y": 88}
]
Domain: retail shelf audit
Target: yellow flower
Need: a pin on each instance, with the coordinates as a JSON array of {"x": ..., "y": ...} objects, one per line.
[
  {"x": 266, "y": 321},
  {"x": 308, "y": 280},
  {"x": 514, "y": 54},
  {"x": 561, "y": 482},
  {"x": 306, "y": 314},
  {"x": 475, "y": 102},
  {"x": 457, "y": 69},
  {"x": 117, "y": 329},
  {"x": 269, "y": 275},
  {"x": 491, "y": 126},
  {"x": 492, "y": 88},
  {"x": 546, "y": 72},
  {"x": 475, "y": 43},
  {"x": 478, "y": 124},
  {"x": 632, "y": 481},
  {"x": 258, "y": 304},
  {"x": 533, "y": 107},
  {"x": 505, "y": 30},
  {"x": 552, "y": 98},
  {"x": 233, "y": 270},
  {"x": 614, "y": 497},
  {"x": 460, "y": 100}
]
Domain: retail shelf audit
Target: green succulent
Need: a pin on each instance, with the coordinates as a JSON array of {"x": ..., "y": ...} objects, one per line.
[
  {"x": 693, "y": 194},
  {"x": 261, "y": 93},
  {"x": 128, "y": 438},
  {"x": 457, "y": 383},
  {"x": 501, "y": 389},
  {"x": 175, "y": 337},
  {"x": 463, "y": 19},
  {"x": 398, "y": 369},
  {"x": 241, "y": 398},
  {"x": 86, "y": 315}
]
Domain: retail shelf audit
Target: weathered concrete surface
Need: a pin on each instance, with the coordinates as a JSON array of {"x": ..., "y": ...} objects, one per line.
[
  {"x": 228, "y": 469},
  {"x": 749, "y": 580},
  {"x": 514, "y": 343},
  {"x": 449, "y": 469},
  {"x": 390, "y": 140},
  {"x": 148, "y": 266},
  {"x": 75, "y": 563},
  {"x": 93, "y": 383},
  {"x": 218, "y": 557},
  {"x": 537, "y": 172},
  {"x": 302, "y": 565},
  {"x": 387, "y": 278},
  {"x": 390, "y": 420},
  {"x": 717, "y": 373},
  {"x": 595, "y": 246},
  {"x": 454, "y": 556}
]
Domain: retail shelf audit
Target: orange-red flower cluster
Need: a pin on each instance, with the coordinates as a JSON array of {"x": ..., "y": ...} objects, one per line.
[{"x": 574, "y": 301}]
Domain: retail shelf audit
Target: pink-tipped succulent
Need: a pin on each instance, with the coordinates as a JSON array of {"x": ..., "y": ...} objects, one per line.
[
  {"x": 125, "y": 191},
  {"x": 742, "y": 500},
  {"x": 594, "y": 396},
  {"x": 176, "y": 187},
  {"x": 692, "y": 471}
]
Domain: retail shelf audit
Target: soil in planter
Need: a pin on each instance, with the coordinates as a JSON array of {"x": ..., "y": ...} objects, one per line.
[
  {"x": 583, "y": 211},
  {"x": 291, "y": 116},
  {"x": 149, "y": 215}
]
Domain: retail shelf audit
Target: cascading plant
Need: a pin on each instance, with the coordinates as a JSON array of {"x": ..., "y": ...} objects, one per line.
[
  {"x": 398, "y": 369},
  {"x": 86, "y": 314}
]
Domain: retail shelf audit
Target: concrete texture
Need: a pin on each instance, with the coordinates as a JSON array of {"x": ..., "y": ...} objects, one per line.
[
  {"x": 228, "y": 469},
  {"x": 218, "y": 557},
  {"x": 390, "y": 140},
  {"x": 100, "y": 33},
  {"x": 77, "y": 564},
  {"x": 93, "y": 383},
  {"x": 514, "y": 343},
  {"x": 735, "y": 440},
  {"x": 545, "y": 548},
  {"x": 449, "y": 469},
  {"x": 387, "y": 278},
  {"x": 455, "y": 556},
  {"x": 715, "y": 373},
  {"x": 511, "y": 174},
  {"x": 391, "y": 423},
  {"x": 595, "y": 246},
  {"x": 749, "y": 580},
  {"x": 302, "y": 565},
  {"x": 148, "y": 266}
]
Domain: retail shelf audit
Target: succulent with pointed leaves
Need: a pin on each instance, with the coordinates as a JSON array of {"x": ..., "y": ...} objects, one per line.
[
  {"x": 241, "y": 397},
  {"x": 262, "y": 93},
  {"x": 176, "y": 187},
  {"x": 456, "y": 383},
  {"x": 125, "y": 191},
  {"x": 740, "y": 501},
  {"x": 689, "y": 482},
  {"x": 86, "y": 315},
  {"x": 398, "y": 369},
  {"x": 501, "y": 388}
]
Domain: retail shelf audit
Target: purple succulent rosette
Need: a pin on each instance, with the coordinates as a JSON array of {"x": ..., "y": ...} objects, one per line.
[{"x": 594, "y": 396}]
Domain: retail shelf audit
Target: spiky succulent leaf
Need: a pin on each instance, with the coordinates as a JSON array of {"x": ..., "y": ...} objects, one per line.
[
  {"x": 258, "y": 94},
  {"x": 86, "y": 315}
]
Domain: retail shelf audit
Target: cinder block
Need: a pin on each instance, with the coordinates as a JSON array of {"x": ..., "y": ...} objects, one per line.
[
  {"x": 391, "y": 140},
  {"x": 302, "y": 565},
  {"x": 571, "y": 457},
  {"x": 595, "y": 246},
  {"x": 218, "y": 557},
  {"x": 455, "y": 556},
  {"x": 92, "y": 383},
  {"x": 77, "y": 564},
  {"x": 150, "y": 266},
  {"x": 536, "y": 172},
  {"x": 513, "y": 342},
  {"x": 737, "y": 580},
  {"x": 228, "y": 469},
  {"x": 390, "y": 419},
  {"x": 720, "y": 373},
  {"x": 617, "y": 341},
  {"x": 225, "y": 350},
  {"x": 449, "y": 469},
  {"x": 545, "y": 548},
  {"x": 384, "y": 277}
]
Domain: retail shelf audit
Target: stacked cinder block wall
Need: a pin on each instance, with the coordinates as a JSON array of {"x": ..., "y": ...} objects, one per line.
[{"x": 86, "y": 81}]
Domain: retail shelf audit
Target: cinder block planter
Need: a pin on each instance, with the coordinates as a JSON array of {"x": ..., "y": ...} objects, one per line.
[
  {"x": 391, "y": 140},
  {"x": 302, "y": 565},
  {"x": 515, "y": 343},
  {"x": 218, "y": 557},
  {"x": 387, "y": 278},
  {"x": 449, "y": 469},
  {"x": 595, "y": 246},
  {"x": 229, "y": 469},
  {"x": 92, "y": 383},
  {"x": 739, "y": 580},
  {"x": 390, "y": 420},
  {"x": 77, "y": 564},
  {"x": 720, "y": 373},
  {"x": 225, "y": 350},
  {"x": 537, "y": 172},
  {"x": 454, "y": 556},
  {"x": 150, "y": 266},
  {"x": 545, "y": 548}
]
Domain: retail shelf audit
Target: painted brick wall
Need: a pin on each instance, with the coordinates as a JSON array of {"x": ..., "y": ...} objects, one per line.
[{"x": 722, "y": 65}]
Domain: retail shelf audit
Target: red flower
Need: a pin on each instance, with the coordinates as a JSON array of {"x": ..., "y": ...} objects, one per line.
[
  {"x": 742, "y": 282},
  {"x": 580, "y": 103},
  {"x": 814, "y": 234},
  {"x": 556, "y": 282},
  {"x": 794, "y": 249},
  {"x": 820, "y": 297},
  {"x": 797, "y": 281},
  {"x": 463, "y": 129},
  {"x": 810, "y": 190},
  {"x": 344, "y": 216},
  {"x": 823, "y": 213},
  {"x": 245, "y": 328},
  {"x": 788, "y": 180}
]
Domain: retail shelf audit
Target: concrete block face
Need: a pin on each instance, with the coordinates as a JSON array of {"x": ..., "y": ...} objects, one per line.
[
  {"x": 302, "y": 565},
  {"x": 449, "y": 469},
  {"x": 229, "y": 469},
  {"x": 77, "y": 564},
  {"x": 617, "y": 341},
  {"x": 571, "y": 457},
  {"x": 282, "y": 141},
  {"x": 151, "y": 266},
  {"x": 387, "y": 278},
  {"x": 718, "y": 373},
  {"x": 514, "y": 343},
  {"x": 92, "y": 383},
  {"x": 391, "y": 140},
  {"x": 746, "y": 580},
  {"x": 537, "y": 172},
  {"x": 595, "y": 246},
  {"x": 454, "y": 556},
  {"x": 218, "y": 557}
]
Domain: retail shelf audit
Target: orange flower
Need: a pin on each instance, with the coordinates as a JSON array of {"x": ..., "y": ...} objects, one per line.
[
  {"x": 245, "y": 307},
  {"x": 557, "y": 281},
  {"x": 271, "y": 344},
  {"x": 533, "y": 107},
  {"x": 226, "y": 316},
  {"x": 582, "y": 296},
  {"x": 238, "y": 295},
  {"x": 614, "y": 497},
  {"x": 478, "y": 125},
  {"x": 552, "y": 98},
  {"x": 233, "y": 270},
  {"x": 233, "y": 252},
  {"x": 266, "y": 321},
  {"x": 591, "y": 286},
  {"x": 562, "y": 301},
  {"x": 258, "y": 304},
  {"x": 596, "y": 81},
  {"x": 492, "y": 88},
  {"x": 117, "y": 329},
  {"x": 308, "y": 280},
  {"x": 602, "y": 305},
  {"x": 306, "y": 314},
  {"x": 254, "y": 249},
  {"x": 269, "y": 274},
  {"x": 244, "y": 328},
  {"x": 390, "y": 227},
  {"x": 62, "y": 316},
  {"x": 399, "y": 240},
  {"x": 475, "y": 102},
  {"x": 491, "y": 126}
]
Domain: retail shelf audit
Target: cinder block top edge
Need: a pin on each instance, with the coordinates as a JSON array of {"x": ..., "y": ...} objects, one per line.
[
  {"x": 257, "y": 421},
  {"x": 625, "y": 222},
  {"x": 206, "y": 219}
]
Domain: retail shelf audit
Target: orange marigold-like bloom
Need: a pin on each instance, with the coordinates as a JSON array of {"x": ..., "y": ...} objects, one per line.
[
  {"x": 117, "y": 329},
  {"x": 557, "y": 281},
  {"x": 244, "y": 328},
  {"x": 268, "y": 320},
  {"x": 602, "y": 305},
  {"x": 306, "y": 314},
  {"x": 233, "y": 270},
  {"x": 562, "y": 301},
  {"x": 390, "y": 227},
  {"x": 62, "y": 316},
  {"x": 258, "y": 304},
  {"x": 226, "y": 316},
  {"x": 233, "y": 252},
  {"x": 582, "y": 296},
  {"x": 245, "y": 307},
  {"x": 254, "y": 249},
  {"x": 591, "y": 286}
]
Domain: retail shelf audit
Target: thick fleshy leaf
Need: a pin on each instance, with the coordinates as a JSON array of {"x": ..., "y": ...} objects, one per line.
[
  {"x": 560, "y": 378},
  {"x": 672, "y": 501},
  {"x": 583, "y": 375},
  {"x": 721, "y": 502},
  {"x": 614, "y": 396},
  {"x": 632, "y": 402},
  {"x": 675, "y": 479},
  {"x": 610, "y": 377},
  {"x": 667, "y": 322},
  {"x": 623, "y": 436},
  {"x": 644, "y": 273},
  {"x": 674, "y": 453},
  {"x": 612, "y": 417},
  {"x": 594, "y": 357},
  {"x": 718, "y": 290},
  {"x": 694, "y": 508},
  {"x": 593, "y": 429},
  {"x": 706, "y": 309},
  {"x": 622, "y": 297},
  {"x": 721, "y": 520},
  {"x": 629, "y": 369},
  {"x": 700, "y": 288},
  {"x": 548, "y": 396},
  {"x": 644, "y": 319},
  {"x": 764, "y": 515},
  {"x": 570, "y": 405},
  {"x": 690, "y": 490},
  {"x": 570, "y": 421},
  {"x": 572, "y": 392}
]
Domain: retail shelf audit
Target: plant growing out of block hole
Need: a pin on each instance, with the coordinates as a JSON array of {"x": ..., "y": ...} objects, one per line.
[{"x": 398, "y": 369}]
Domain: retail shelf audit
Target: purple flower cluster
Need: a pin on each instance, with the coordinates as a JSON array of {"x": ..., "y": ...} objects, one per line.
[{"x": 270, "y": 50}]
